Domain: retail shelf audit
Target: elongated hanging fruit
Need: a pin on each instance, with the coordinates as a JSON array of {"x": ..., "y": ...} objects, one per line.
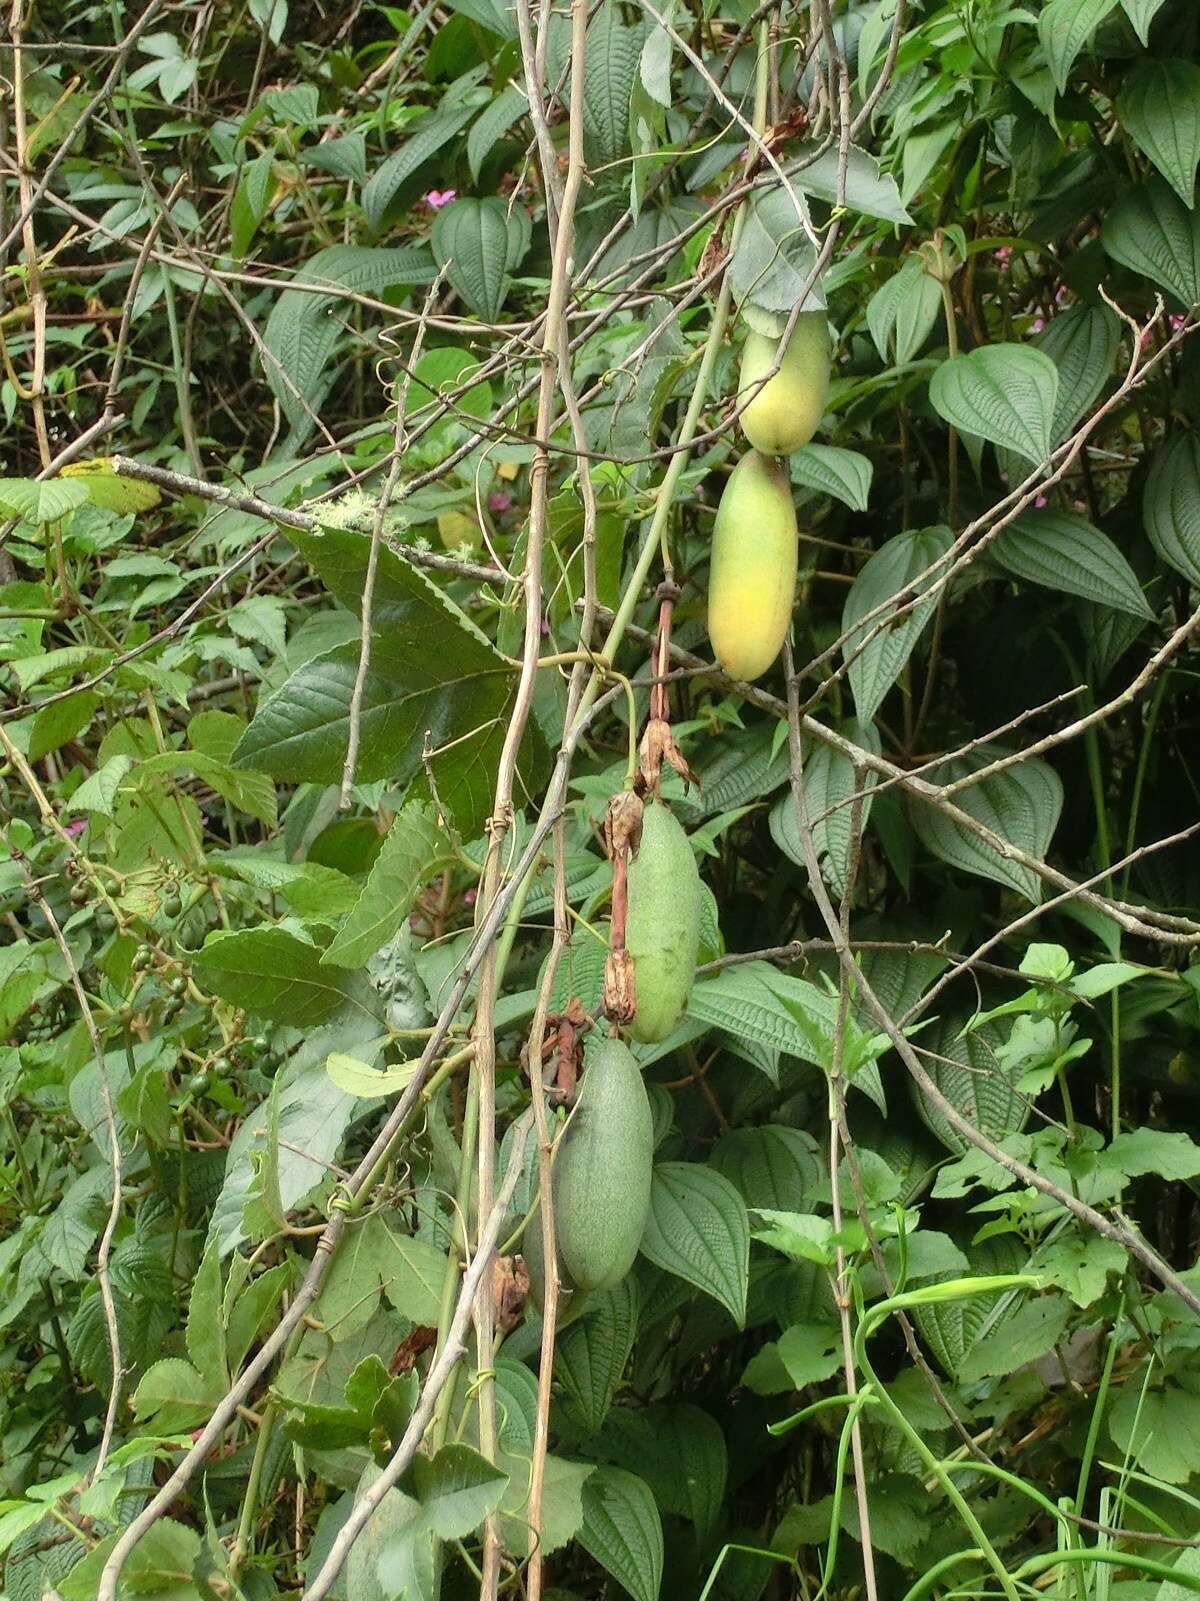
[
  {"x": 785, "y": 412},
  {"x": 571, "y": 1301},
  {"x": 602, "y": 1172},
  {"x": 662, "y": 929},
  {"x": 752, "y": 573}
]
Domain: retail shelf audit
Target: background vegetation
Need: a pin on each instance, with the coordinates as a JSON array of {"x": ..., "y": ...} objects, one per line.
[{"x": 366, "y": 370}]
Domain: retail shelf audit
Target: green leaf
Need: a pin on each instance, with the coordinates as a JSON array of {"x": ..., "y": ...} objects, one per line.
[
  {"x": 250, "y": 201},
  {"x": 699, "y": 1231},
  {"x": 829, "y": 781},
  {"x": 1142, "y": 13},
  {"x": 1159, "y": 105},
  {"x": 303, "y": 329},
  {"x": 271, "y": 973},
  {"x": 1151, "y": 231},
  {"x": 356, "y": 1078},
  {"x": 773, "y": 1166},
  {"x": 1003, "y": 393},
  {"x": 611, "y": 67},
  {"x": 167, "y": 1552},
  {"x": 974, "y": 1080},
  {"x": 492, "y": 123},
  {"x": 804, "y": 1354},
  {"x": 592, "y": 1355},
  {"x": 1065, "y": 553},
  {"x": 176, "y": 1396},
  {"x": 1082, "y": 342},
  {"x": 867, "y": 188},
  {"x": 99, "y": 792},
  {"x": 1159, "y": 1428},
  {"x": 1080, "y": 1265},
  {"x": 431, "y": 669},
  {"x": 897, "y": 570},
  {"x": 902, "y": 311},
  {"x": 623, "y": 1531},
  {"x": 1065, "y": 26},
  {"x": 775, "y": 258},
  {"x": 1171, "y": 504},
  {"x": 1142, "y": 1151},
  {"x": 432, "y": 132},
  {"x": 413, "y": 849},
  {"x": 844, "y": 474},
  {"x": 951, "y": 1328},
  {"x": 345, "y": 157},
  {"x": 1020, "y": 804},
  {"x": 481, "y": 243},
  {"x": 41, "y": 500},
  {"x": 205, "y": 1334},
  {"x": 458, "y": 1489}
]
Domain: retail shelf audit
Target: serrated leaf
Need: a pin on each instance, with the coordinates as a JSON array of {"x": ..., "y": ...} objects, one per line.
[
  {"x": 867, "y": 188},
  {"x": 611, "y": 67},
  {"x": 492, "y": 123},
  {"x": 1151, "y": 231},
  {"x": 951, "y": 1328},
  {"x": 481, "y": 243},
  {"x": 1159, "y": 1428},
  {"x": 250, "y": 201},
  {"x": 699, "y": 1231},
  {"x": 775, "y": 257},
  {"x": 623, "y": 1531},
  {"x": 1065, "y": 553},
  {"x": 773, "y": 1166},
  {"x": 432, "y": 132},
  {"x": 413, "y": 848},
  {"x": 1020, "y": 804},
  {"x": 40, "y": 500},
  {"x": 1080, "y": 1265},
  {"x": 844, "y": 474},
  {"x": 345, "y": 157},
  {"x": 829, "y": 781},
  {"x": 1082, "y": 342},
  {"x": 1159, "y": 106},
  {"x": 1171, "y": 1156},
  {"x": 458, "y": 1488},
  {"x": 302, "y": 330},
  {"x": 1171, "y": 505},
  {"x": 968, "y": 1072},
  {"x": 431, "y": 670},
  {"x": 1032, "y": 1330},
  {"x": 1142, "y": 13},
  {"x": 1064, "y": 27},
  {"x": 902, "y": 311},
  {"x": 897, "y": 570},
  {"x": 271, "y": 973},
  {"x": 592, "y": 1355},
  {"x": 1003, "y": 393}
]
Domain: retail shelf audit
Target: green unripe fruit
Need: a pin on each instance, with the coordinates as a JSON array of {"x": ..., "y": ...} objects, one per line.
[
  {"x": 662, "y": 929},
  {"x": 571, "y": 1301},
  {"x": 602, "y": 1172},
  {"x": 752, "y": 572},
  {"x": 784, "y": 413}
]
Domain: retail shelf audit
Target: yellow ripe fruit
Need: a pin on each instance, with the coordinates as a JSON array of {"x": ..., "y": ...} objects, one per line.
[
  {"x": 752, "y": 572},
  {"x": 786, "y": 411}
]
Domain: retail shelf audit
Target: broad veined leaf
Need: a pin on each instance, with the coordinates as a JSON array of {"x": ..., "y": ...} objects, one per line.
[
  {"x": 1065, "y": 553},
  {"x": 775, "y": 257},
  {"x": 250, "y": 201},
  {"x": 699, "y": 1231},
  {"x": 774, "y": 1166},
  {"x": 492, "y": 123},
  {"x": 829, "y": 781},
  {"x": 1082, "y": 342},
  {"x": 1020, "y": 805},
  {"x": 1159, "y": 105},
  {"x": 972, "y": 1077},
  {"x": 430, "y": 134},
  {"x": 951, "y": 1328},
  {"x": 867, "y": 188},
  {"x": 1005, "y": 394},
  {"x": 902, "y": 311},
  {"x": 272, "y": 973},
  {"x": 458, "y": 1488},
  {"x": 432, "y": 671},
  {"x": 1065, "y": 26},
  {"x": 481, "y": 243},
  {"x": 413, "y": 849},
  {"x": 106, "y": 488},
  {"x": 679, "y": 1450},
  {"x": 623, "y": 1531},
  {"x": 611, "y": 67},
  {"x": 845, "y": 474},
  {"x": 592, "y": 1355},
  {"x": 41, "y": 500},
  {"x": 303, "y": 328},
  {"x": 1159, "y": 1427},
  {"x": 748, "y": 765},
  {"x": 1171, "y": 505},
  {"x": 878, "y": 650},
  {"x": 1151, "y": 231},
  {"x": 1142, "y": 13}
]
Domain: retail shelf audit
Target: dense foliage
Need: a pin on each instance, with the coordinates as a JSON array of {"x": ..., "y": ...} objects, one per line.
[{"x": 371, "y": 381}]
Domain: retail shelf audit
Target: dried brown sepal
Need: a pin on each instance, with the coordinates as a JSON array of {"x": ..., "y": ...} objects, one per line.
[
  {"x": 658, "y": 745},
  {"x": 510, "y": 1291},
  {"x": 572, "y": 1025},
  {"x": 620, "y": 986},
  {"x": 623, "y": 824}
]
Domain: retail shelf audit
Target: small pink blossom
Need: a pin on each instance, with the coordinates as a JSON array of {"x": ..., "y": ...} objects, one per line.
[
  {"x": 1040, "y": 501},
  {"x": 1036, "y": 326},
  {"x": 469, "y": 897},
  {"x": 1004, "y": 255},
  {"x": 1060, "y": 294},
  {"x": 1177, "y": 321},
  {"x": 77, "y": 827},
  {"x": 545, "y": 627},
  {"x": 1144, "y": 338},
  {"x": 437, "y": 198},
  {"x": 499, "y": 500}
]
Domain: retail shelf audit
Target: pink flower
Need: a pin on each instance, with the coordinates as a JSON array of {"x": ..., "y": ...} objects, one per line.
[
  {"x": 1004, "y": 255},
  {"x": 545, "y": 627},
  {"x": 469, "y": 897},
  {"x": 1177, "y": 321},
  {"x": 437, "y": 198},
  {"x": 499, "y": 500},
  {"x": 77, "y": 827},
  {"x": 1040, "y": 501},
  {"x": 1060, "y": 294},
  {"x": 1036, "y": 326}
]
